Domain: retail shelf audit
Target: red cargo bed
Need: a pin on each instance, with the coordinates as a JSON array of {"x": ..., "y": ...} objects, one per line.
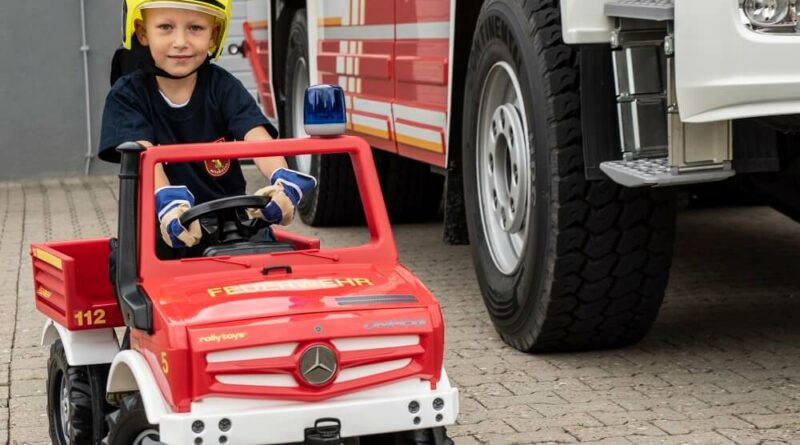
[{"x": 72, "y": 285}]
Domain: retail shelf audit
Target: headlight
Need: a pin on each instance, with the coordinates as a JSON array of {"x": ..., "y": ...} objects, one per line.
[{"x": 766, "y": 13}]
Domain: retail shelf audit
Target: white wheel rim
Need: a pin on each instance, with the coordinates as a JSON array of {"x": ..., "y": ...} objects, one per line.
[
  {"x": 65, "y": 409},
  {"x": 300, "y": 85},
  {"x": 147, "y": 437},
  {"x": 504, "y": 168}
]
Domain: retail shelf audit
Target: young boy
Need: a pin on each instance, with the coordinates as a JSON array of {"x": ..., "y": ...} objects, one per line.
[{"x": 180, "y": 97}]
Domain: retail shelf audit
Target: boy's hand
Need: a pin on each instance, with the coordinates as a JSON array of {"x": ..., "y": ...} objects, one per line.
[
  {"x": 171, "y": 203},
  {"x": 287, "y": 189}
]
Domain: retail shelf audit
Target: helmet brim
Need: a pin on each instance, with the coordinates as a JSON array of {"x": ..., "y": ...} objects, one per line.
[{"x": 182, "y": 5}]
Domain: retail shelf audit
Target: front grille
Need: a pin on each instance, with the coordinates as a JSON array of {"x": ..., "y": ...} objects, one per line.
[{"x": 273, "y": 370}]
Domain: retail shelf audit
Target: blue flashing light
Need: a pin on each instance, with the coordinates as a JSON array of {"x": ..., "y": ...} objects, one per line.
[{"x": 324, "y": 110}]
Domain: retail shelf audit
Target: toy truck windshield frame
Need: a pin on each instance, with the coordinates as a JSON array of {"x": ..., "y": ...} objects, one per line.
[{"x": 379, "y": 249}]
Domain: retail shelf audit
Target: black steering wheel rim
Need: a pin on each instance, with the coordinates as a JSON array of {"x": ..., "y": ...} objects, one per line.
[{"x": 222, "y": 204}]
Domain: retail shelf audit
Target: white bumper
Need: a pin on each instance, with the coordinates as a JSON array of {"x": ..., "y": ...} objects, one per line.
[
  {"x": 726, "y": 71},
  {"x": 257, "y": 422}
]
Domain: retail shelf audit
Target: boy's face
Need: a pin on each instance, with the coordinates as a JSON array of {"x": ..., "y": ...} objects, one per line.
[{"x": 179, "y": 39}]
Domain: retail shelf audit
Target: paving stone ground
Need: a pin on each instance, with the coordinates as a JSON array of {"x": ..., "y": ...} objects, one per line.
[{"x": 721, "y": 365}]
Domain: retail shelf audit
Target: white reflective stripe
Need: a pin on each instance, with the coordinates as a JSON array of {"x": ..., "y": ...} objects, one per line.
[
  {"x": 419, "y": 133},
  {"x": 346, "y": 375},
  {"x": 372, "y": 106},
  {"x": 257, "y": 352},
  {"x": 278, "y": 380},
  {"x": 377, "y": 342},
  {"x": 348, "y": 66},
  {"x": 342, "y": 47},
  {"x": 339, "y": 64},
  {"x": 371, "y": 122},
  {"x": 429, "y": 117},
  {"x": 429, "y": 30},
  {"x": 351, "y": 84},
  {"x": 366, "y": 32}
]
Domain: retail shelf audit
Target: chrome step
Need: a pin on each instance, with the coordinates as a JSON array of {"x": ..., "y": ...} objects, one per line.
[
  {"x": 657, "y": 173},
  {"x": 641, "y": 9}
]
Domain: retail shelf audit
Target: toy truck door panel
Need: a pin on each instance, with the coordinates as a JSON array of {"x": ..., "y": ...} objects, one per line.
[
  {"x": 422, "y": 52},
  {"x": 355, "y": 49}
]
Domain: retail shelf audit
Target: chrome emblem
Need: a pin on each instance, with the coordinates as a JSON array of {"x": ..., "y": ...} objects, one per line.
[{"x": 318, "y": 365}]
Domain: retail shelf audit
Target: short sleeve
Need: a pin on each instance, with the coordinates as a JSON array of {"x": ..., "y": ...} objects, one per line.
[
  {"x": 123, "y": 121},
  {"x": 241, "y": 111}
]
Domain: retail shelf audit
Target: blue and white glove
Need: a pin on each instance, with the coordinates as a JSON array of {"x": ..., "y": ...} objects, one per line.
[
  {"x": 287, "y": 189},
  {"x": 171, "y": 203}
]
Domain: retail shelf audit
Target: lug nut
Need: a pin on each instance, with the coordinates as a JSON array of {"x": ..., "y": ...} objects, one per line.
[
  {"x": 198, "y": 426},
  {"x": 224, "y": 425},
  {"x": 413, "y": 407}
]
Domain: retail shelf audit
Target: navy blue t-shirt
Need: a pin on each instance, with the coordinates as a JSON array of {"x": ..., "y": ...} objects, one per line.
[{"x": 220, "y": 109}]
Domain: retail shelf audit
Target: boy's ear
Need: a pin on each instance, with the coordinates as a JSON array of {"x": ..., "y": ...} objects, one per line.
[{"x": 141, "y": 32}]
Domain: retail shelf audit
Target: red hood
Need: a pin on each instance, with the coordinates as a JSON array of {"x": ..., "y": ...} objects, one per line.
[{"x": 247, "y": 294}]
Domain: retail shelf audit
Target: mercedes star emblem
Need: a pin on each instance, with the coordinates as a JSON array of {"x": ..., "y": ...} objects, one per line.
[{"x": 318, "y": 365}]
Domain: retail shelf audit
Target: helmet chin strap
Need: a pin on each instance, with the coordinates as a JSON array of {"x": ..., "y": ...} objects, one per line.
[{"x": 149, "y": 67}]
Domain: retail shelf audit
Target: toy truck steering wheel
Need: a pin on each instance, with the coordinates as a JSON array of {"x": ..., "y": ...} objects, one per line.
[{"x": 228, "y": 219}]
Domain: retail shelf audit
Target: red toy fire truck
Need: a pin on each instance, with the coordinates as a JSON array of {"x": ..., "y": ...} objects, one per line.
[{"x": 252, "y": 342}]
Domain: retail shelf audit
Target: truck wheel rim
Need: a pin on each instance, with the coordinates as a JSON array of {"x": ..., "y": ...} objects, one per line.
[
  {"x": 64, "y": 411},
  {"x": 147, "y": 437},
  {"x": 300, "y": 85},
  {"x": 504, "y": 174}
]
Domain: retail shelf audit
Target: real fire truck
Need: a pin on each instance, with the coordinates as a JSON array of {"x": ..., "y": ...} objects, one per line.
[{"x": 558, "y": 131}]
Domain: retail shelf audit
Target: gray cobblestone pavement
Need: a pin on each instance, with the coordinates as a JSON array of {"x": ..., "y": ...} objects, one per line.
[{"x": 721, "y": 365}]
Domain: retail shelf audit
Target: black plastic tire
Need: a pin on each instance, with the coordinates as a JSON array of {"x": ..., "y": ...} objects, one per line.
[
  {"x": 128, "y": 424},
  {"x": 85, "y": 388},
  {"x": 335, "y": 201},
  {"x": 412, "y": 192},
  {"x": 593, "y": 268}
]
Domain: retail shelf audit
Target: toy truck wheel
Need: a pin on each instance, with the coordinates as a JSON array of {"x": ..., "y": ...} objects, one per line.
[
  {"x": 335, "y": 200},
  {"x": 76, "y": 403},
  {"x": 562, "y": 263},
  {"x": 129, "y": 426}
]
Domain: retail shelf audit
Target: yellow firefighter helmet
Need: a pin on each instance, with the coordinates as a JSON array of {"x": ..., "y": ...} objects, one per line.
[{"x": 220, "y": 9}]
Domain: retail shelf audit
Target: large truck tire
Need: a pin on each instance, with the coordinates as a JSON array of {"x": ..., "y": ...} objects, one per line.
[
  {"x": 412, "y": 192},
  {"x": 562, "y": 263},
  {"x": 76, "y": 400},
  {"x": 335, "y": 201}
]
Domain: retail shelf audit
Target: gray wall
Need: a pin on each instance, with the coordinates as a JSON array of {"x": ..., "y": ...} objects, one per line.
[
  {"x": 42, "y": 105},
  {"x": 42, "y": 110}
]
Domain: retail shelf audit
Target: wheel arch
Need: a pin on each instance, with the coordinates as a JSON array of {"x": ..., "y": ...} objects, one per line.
[
  {"x": 130, "y": 372},
  {"x": 88, "y": 347},
  {"x": 466, "y": 18}
]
